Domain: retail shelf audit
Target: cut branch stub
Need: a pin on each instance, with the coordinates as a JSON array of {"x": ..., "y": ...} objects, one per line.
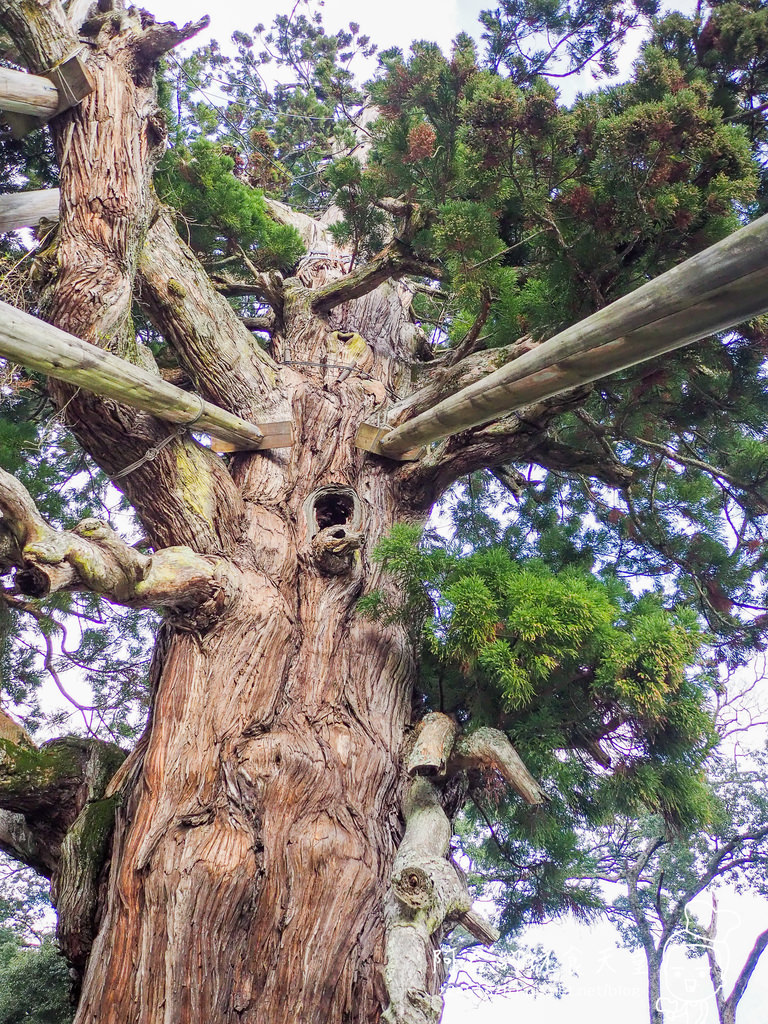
[
  {"x": 486, "y": 748},
  {"x": 414, "y": 888},
  {"x": 478, "y": 927},
  {"x": 435, "y": 737}
]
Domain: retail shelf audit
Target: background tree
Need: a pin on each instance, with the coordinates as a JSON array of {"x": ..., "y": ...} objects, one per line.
[
  {"x": 661, "y": 875},
  {"x": 236, "y": 864},
  {"x": 34, "y": 980}
]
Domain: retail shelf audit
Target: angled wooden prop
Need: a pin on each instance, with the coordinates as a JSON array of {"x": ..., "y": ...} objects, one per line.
[
  {"x": 40, "y": 346},
  {"x": 28, "y": 100},
  {"x": 720, "y": 287}
]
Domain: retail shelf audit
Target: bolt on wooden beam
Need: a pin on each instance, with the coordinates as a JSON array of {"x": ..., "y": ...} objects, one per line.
[
  {"x": 21, "y": 93},
  {"x": 42, "y": 347},
  {"x": 718, "y": 288}
]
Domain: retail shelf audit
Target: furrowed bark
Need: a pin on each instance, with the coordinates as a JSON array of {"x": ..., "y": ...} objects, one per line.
[
  {"x": 40, "y": 31},
  {"x": 212, "y": 343},
  {"x": 93, "y": 557},
  {"x": 253, "y": 852},
  {"x": 107, "y": 148}
]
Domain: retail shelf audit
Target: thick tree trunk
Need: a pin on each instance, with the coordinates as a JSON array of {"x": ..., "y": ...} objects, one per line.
[
  {"x": 253, "y": 855},
  {"x": 258, "y": 820},
  {"x": 655, "y": 1009}
]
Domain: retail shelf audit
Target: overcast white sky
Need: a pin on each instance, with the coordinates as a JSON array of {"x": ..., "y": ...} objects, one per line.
[{"x": 606, "y": 985}]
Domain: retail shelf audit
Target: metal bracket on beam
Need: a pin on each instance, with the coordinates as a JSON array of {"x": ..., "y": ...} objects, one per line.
[
  {"x": 369, "y": 436},
  {"x": 73, "y": 83}
]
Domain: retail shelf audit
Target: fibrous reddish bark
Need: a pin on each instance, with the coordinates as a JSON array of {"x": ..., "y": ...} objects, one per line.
[{"x": 256, "y": 824}]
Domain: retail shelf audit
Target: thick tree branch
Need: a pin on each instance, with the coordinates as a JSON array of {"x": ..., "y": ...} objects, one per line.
[
  {"x": 185, "y": 495},
  {"x": 93, "y": 557},
  {"x": 516, "y": 438},
  {"x": 394, "y": 261},
  {"x": 489, "y": 749},
  {"x": 426, "y": 891},
  {"x": 209, "y": 338},
  {"x": 445, "y": 378},
  {"x": 158, "y": 38},
  {"x": 746, "y": 972},
  {"x": 40, "y": 30},
  {"x": 18, "y": 841},
  {"x": 43, "y": 790}
]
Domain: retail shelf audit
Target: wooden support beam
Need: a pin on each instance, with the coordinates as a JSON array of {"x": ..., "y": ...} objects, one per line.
[
  {"x": 39, "y": 346},
  {"x": 27, "y": 209},
  {"x": 29, "y": 100},
  {"x": 720, "y": 287},
  {"x": 21, "y": 93}
]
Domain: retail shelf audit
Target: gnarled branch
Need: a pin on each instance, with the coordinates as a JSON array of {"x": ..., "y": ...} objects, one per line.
[
  {"x": 93, "y": 557},
  {"x": 516, "y": 438},
  {"x": 394, "y": 261},
  {"x": 487, "y": 748},
  {"x": 427, "y": 890}
]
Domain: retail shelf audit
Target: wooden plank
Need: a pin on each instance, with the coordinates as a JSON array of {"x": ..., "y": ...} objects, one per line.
[
  {"x": 27, "y": 209},
  {"x": 369, "y": 437},
  {"x": 277, "y": 434},
  {"x": 39, "y": 346},
  {"x": 720, "y": 287}
]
